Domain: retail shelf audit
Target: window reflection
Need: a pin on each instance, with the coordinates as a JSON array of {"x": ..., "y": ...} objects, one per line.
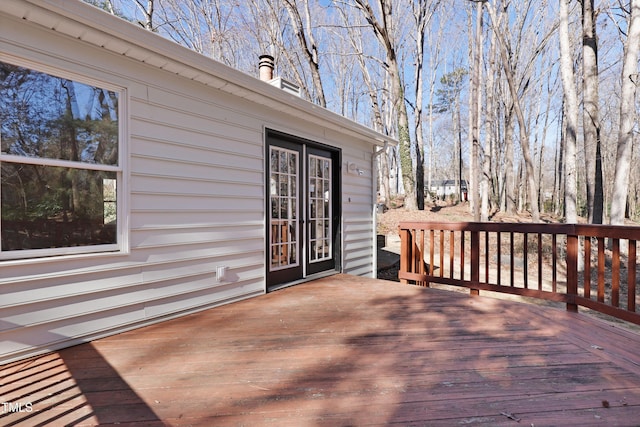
[
  {"x": 49, "y": 117},
  {"x": 37, "y": 215},
  {"x": 48, "y": 125}
]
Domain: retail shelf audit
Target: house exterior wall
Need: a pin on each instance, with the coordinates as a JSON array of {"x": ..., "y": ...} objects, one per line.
[
  {"x": 446, "y": 187},
  {"x": 194, "y": 200}
]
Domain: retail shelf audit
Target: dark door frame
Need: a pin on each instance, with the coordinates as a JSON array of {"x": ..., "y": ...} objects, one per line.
[{"x": 279, "y": 278}]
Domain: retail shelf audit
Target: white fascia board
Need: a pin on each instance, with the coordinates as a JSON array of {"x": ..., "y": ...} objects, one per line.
[{"x": 88, "y": 23}]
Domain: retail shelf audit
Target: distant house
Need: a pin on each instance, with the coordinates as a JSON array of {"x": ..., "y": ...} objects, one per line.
[
  {"x": 447, "y": 187},
  {"x": 142, "y": 181}
]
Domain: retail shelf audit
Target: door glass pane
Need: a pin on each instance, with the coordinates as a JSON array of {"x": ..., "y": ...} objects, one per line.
[
  {"x": 320, "y": 198},
  {"x": 292, "y": 255},
  {"x": 283, "y": 223}
]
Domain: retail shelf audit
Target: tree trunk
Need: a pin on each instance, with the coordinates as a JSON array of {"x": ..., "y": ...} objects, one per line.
[
  {"x": 571, "y": 115},
  {"x": 630, "y": 80},
  {"x": 422, "y": 18},
  {"x": 148, "y": 13},
  {"x": 475, "y": 118},
  {"x": 406, "y": 163},
  {"x": 457, "y": 132},
  {"x": 509, "y": 175},
  {"x": 308, "y": 45},
  {"x": 434, "y": 61},
  {"x": 591, "y": 115},
  {"x": 489, "y": 132}
]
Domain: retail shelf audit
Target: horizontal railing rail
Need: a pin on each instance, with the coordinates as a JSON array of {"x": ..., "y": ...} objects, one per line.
[{"x": 593, "y": 266}]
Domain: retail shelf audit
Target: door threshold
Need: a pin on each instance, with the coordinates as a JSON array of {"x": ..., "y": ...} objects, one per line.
[{"x": 309, "y": 278}]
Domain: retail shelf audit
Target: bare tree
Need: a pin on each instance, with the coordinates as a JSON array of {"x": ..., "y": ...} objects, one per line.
[
  {"x": 475, "y": 109},
  {"x": 269, "y": 21},
  {"x": 571, "y": 116},
  {"x": 630, "y": 80},
  {"x": 205, "y": 26},
  {"x": 435, "y": 58},
  {"x": 423, "y": 11},
  {"x": 147, "y": 9},
  {"x": 449, "y": 101},
  {"x": 382, "y": 27},
  {"x": 356, "y": 41},
  {"x": 308, "y": 44},
  {"x": 590, "y": 113},
  {"x": 522, "y": 124}
]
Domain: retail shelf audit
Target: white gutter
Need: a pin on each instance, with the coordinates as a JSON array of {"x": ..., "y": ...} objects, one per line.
[{"x": 374, "y": 196}]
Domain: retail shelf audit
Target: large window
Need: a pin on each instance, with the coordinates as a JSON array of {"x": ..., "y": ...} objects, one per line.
[{"x": 60, "y": 165}]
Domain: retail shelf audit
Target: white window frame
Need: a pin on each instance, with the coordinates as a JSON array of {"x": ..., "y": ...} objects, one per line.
[{"x": 122, "y": 240}]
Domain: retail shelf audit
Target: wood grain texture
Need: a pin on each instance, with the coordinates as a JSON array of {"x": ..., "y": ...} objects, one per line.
[{"x": 342, "y": 351}]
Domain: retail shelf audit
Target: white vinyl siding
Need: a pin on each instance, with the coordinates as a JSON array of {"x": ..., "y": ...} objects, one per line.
[
  {"x": 357, "y": 212},
  {"x": 195, "y": 192},
  {"x": 195, "y": 202}
]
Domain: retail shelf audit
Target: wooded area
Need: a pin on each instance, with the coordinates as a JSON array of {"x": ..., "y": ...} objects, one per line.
[{"x": 533, "y": 103}]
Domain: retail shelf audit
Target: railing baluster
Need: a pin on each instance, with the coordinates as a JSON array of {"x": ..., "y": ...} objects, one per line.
[
  {"x": 525, "y": 261},
  {"x": 486, "y": 257},
  {"x": 462, "y": 255},
  {"x": 572, "y": 272},
  {"x": 499, "y": 257},
  {"x": 587, "y": 267},
  {"x": 475, "y": 260},
  {"x": 420, "y": 259},
  {"x": 601, "y": 256},
  {"x": 451, "y": 252},
  {"x": 631, "y": 277},
  {"x": 441, "y": 253},
  {"x": 405, "y": 252},
  {"x": 513, "y": 267},
  {"x": 554, "y": 262},
  {"x": 539, "y": 261},
  {"x": 431, "y": 252},
  {"x": 615, "y": 274}
]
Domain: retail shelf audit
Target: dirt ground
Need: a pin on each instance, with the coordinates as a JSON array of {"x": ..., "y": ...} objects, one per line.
[
  {"x": 388, "y": 221},
  {"x": 443, "y": 211}
]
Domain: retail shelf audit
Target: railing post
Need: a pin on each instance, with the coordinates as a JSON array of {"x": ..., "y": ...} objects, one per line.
[
  {"x": 572, "y": 272},
  {"x": 406, "y": 255},
  {"x": 475, "y": 260}
]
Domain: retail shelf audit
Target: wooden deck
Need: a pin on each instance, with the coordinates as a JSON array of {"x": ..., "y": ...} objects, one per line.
[{"x": 341, "y": 351}]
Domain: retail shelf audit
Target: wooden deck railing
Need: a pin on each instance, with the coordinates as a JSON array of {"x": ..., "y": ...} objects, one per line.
[{"x": 592, "y": 266}]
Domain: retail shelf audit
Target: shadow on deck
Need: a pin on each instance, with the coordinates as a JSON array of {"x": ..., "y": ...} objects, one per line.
[{"x": 342, "y": 350}]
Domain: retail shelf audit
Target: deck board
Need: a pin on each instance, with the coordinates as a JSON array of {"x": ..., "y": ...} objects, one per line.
[{"x": 342, "y": 351}]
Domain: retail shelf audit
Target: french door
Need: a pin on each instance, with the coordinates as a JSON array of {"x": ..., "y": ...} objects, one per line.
[{"x": 303, "y": 209}]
